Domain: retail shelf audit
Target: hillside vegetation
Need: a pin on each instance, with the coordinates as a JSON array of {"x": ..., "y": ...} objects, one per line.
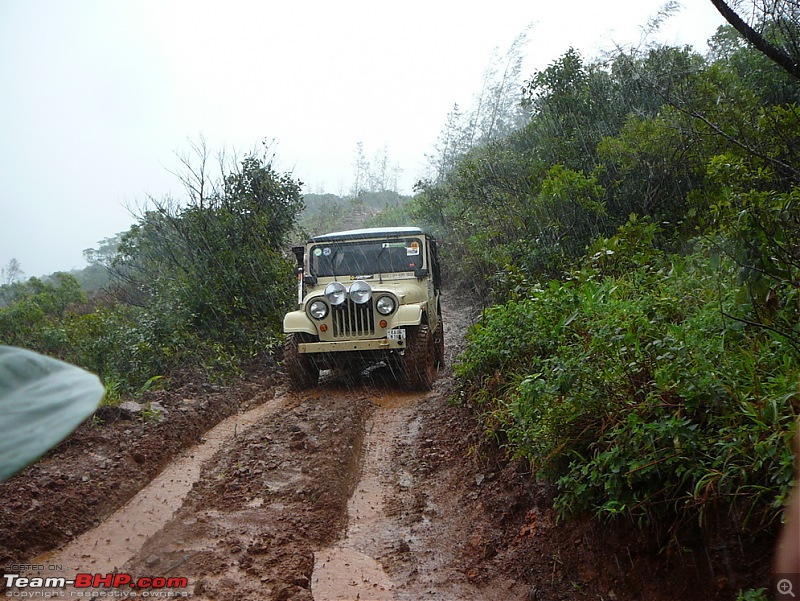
[
  {"x": 638, "y": 240},
  {"x": 203, "y": 284}
]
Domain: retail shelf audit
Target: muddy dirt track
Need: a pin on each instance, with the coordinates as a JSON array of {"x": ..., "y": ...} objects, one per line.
[{"x": 351, "y": 490}]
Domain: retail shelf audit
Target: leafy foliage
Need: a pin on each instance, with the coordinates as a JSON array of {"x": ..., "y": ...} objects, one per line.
[
  {"x": 628, "y": 386},
  {"x": 200, "y": 284},
  {"x": 215, "y": 268},
  {"x": 640, "y": 238},
  {"x": 34, "y": 312}
]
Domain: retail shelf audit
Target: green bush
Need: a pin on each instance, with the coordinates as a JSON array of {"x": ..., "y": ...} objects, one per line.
[
  {"x": 629, "y": 386},
  {"x": 203, "y": 285}
]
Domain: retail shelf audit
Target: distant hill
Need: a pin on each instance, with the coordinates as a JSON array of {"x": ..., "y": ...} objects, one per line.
[{"x": 329, "y": 212}]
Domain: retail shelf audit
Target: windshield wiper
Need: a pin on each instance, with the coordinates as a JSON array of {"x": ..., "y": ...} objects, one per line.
[
  {"x": 333, "y": 264},
  {"x": 378, "y": 262}
]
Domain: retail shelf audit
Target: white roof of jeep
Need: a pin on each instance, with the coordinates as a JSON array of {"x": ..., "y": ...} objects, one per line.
[{"x": 373, "y": 232}]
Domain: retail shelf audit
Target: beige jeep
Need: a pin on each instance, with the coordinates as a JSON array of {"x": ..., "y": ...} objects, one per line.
[{"x": 365, "y": 296}]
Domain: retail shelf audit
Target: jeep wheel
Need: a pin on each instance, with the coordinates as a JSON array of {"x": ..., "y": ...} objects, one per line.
[
  {"x": 419, "y": 358},
  {"x": 301, "y": 370}
]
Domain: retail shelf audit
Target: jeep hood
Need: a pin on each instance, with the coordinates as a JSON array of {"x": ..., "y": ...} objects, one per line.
[{"x": 407, "y": 291}]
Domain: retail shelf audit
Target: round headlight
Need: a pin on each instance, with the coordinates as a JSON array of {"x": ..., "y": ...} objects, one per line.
[
  {"x": 335, "y": 293},
  {"x": 360, "y": 292},
  {"x": 318, "y": 309},
  {"x": 385, "y": 305}
]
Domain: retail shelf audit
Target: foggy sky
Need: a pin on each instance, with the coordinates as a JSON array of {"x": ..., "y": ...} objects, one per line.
[{"x": 98, "y": 96}]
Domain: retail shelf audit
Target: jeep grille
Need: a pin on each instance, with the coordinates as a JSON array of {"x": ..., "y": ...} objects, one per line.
[{"x": 353, "y": 320}]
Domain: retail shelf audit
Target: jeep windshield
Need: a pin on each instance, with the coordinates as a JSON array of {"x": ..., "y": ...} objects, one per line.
[{"x": 366, "y": 258}]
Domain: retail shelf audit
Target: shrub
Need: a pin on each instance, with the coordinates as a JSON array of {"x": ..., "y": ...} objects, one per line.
[{"x": 632, "y": 389}]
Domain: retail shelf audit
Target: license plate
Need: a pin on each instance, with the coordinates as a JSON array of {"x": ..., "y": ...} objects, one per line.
[{"x": 396, "y": 334}]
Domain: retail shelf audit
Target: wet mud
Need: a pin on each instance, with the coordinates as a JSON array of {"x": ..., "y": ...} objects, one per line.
[{"x": 355, "y": 489}]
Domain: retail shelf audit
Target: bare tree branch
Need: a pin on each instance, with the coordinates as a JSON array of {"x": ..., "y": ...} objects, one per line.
[
  {"x": 781, "y": 58},
  {"x": 786, "y": 167}
]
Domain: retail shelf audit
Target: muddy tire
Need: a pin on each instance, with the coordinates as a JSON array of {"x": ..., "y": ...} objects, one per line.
[
  {"x": 419, "y": 360},
  {"x": 301, "y": 371}
]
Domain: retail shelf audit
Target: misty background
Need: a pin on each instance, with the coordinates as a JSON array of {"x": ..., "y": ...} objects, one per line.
[{"x": 100, "y": 98}]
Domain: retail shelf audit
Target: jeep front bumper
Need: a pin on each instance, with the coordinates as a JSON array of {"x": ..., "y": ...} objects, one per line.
[{"x": 380, "y": 344}]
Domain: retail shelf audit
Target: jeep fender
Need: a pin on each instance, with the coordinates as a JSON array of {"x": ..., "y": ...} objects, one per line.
[
  {"x": 408, "y": 315},
  {"x": 298, "y": 321}
]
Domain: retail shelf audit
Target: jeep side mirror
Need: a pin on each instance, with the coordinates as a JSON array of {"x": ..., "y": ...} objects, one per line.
[
  {"x": 420, "y": 273},
  {"x": 298, "y": 252},
  {"x": 310, "y": 280}
]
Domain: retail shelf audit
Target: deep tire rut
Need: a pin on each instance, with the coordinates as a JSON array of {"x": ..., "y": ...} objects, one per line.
[
  {"x": 352, "y": 568},
  {"x": 322, "y": 495},
  {"x": 120, "y": 537}
]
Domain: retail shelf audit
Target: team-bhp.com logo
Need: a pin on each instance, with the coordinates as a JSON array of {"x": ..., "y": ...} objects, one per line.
[{"x": 95, "y": 585}]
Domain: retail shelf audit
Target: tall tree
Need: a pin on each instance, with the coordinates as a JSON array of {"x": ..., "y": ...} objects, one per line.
[
  {"x": 218, "y": 260},
  {"x": 12, "y": 272},
  {"x": 498, "y": 113},
  {"x": 496, "y": 110},
  {"x": 104, "y": 254},
  {"x": 454, "y": 141},
  {"x": 375, "y": 176},
  {"x": 360, "y": 171}
]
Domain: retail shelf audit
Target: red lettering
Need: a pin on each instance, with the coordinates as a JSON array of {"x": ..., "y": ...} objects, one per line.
[
  {"x": 83, "y": 580},
  {"x": 122, "y": 580},
  {"x": 104, "y": 580}
]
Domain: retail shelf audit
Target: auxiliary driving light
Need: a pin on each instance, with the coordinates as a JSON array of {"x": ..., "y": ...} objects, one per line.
[
  {"x": 336, "y": 293},
  {"x": 360, "y": 292}
]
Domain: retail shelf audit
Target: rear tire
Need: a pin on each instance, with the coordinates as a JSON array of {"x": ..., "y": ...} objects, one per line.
[
  {"x": 419, "y": 360},
  {"x": 301, "y": 370}
]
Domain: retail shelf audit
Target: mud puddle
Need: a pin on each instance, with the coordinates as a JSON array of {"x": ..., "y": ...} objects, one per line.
[
  {"x": 110, "y": 545},
  {"x": 352, "y": 568}
]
